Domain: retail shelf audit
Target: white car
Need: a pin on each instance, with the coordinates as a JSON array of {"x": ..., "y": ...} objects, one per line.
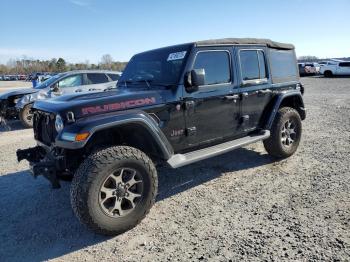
[
  {"x": 17, "y": 103},
  {"x": 335, "y": 67}
]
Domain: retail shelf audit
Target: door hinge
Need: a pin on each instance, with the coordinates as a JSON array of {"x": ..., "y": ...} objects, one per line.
[{"x": 189, "y": 106}]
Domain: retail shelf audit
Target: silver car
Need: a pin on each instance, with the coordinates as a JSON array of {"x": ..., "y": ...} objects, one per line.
[{"x": 17, "y": 103}]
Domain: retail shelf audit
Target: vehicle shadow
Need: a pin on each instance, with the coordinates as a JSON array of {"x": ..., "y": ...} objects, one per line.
[
  {"x": 37, "y": 222},
  {"x": 174, "y": 181}
]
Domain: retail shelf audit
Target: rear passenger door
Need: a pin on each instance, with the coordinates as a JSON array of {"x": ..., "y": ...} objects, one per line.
[
  {"x": 97, "y": 82},
  {"x": 255, "y": 85},
  {"x": 344, "y": 68}
]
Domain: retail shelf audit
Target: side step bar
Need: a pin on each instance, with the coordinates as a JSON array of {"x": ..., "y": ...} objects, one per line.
[{"x": 180, "y": 160}]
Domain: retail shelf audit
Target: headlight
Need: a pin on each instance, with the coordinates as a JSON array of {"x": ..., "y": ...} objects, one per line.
[{"x": 59, "y": 123}]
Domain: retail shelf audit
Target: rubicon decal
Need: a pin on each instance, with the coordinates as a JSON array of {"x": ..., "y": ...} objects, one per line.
[{"x": 118, "y": 106}]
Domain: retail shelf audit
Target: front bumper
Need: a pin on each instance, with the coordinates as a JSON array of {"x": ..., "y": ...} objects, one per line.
[{"x": 42, "y": 162}]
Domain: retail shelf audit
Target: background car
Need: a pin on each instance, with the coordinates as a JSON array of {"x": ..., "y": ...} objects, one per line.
[
  {"x": 335, "y": 67},
  {"x": 317, "y": 67},
  {"x": 18, "y": 103},
  {"x": 307, "y": 69}
]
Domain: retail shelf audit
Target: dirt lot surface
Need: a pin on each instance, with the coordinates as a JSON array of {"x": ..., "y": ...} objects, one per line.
[
  {"x": 8, "y": 85},
  {"x": 240, "y": 206}
]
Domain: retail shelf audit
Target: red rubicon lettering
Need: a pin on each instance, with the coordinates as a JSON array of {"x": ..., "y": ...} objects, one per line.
[{"x": 118, "y": 106}]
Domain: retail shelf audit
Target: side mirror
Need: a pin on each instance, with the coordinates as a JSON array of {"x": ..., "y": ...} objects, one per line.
[
  {"x": 55, "y": 88},
  {"x": 194, "y": 79}
]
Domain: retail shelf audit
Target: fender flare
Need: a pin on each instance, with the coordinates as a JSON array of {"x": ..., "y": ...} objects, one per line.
[
  {"x": 103, "y": 122},
  {"x": 279, "y": 100}
]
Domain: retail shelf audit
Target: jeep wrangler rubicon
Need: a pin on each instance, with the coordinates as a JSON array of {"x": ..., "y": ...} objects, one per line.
[{"x": 174, "y": 105}]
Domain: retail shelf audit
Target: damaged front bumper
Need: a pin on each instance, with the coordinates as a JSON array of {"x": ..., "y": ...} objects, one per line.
[
  {"x": 7, "y": 111},
  {"x": 43, "y": 162}
]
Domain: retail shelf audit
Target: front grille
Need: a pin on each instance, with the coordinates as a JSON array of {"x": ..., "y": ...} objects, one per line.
[{"x": 44, "y": 127}]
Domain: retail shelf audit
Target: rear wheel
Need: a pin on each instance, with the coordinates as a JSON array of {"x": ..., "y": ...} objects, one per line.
[
  {"x": 285, "y": 133},
  {"x": 26, "y": 116},
  {"x": 114, "y": 189}
]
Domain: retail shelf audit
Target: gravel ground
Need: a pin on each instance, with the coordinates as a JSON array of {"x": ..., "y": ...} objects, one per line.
[{"x": 239, "y": 206}]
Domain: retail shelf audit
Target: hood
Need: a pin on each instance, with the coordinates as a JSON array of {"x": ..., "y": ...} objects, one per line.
[
  {"x": 89, "y": 104},
  {"x": 18, "y": 92}
]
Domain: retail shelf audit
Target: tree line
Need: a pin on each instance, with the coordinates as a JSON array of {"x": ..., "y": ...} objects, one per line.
[{"x": 28, "y": 66}]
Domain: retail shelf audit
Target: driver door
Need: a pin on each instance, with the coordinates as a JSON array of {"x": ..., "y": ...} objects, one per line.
[{"x": 212, "y": 112}]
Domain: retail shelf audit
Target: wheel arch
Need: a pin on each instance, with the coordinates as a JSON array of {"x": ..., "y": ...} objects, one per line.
[
  {"x": 134, "y": 134},
  {"x": 290, "y": 99},
  {"x": 135, "y": 129},
  {"x": 328, "y": 72}
]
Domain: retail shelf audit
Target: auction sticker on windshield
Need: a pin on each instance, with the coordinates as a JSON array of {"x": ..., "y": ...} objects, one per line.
[{"x": 176, "y": 56}]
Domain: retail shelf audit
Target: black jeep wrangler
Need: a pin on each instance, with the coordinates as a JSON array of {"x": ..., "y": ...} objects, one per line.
[{"x": 175, "y": 105}]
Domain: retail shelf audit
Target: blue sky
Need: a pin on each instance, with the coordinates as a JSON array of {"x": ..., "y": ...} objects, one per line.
[{"x": 80, "y": 30}]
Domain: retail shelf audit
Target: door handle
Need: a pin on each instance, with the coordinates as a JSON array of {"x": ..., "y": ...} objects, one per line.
[
  {"x": 264, "y": 91},
  {"x": 245, "y": 94},
  {"x": 78, "y": 90},
  {"x": 232, "y": 97}
]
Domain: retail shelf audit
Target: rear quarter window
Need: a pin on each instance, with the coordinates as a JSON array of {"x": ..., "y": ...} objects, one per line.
[
  {"x": 96, "y": 78},
  {"x": 344, "y": 64},
  {"x": 283, "y": 65}
]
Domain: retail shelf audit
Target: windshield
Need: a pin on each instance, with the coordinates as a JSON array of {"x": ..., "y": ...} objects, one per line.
[
  {"x": 157, "y": 67},
  {"x": 48, "y": 82}
]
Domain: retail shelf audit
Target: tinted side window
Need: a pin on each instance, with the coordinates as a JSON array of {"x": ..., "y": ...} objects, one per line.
[
  {"x": 249, "y": 64},
  {"x": 344, "y": 64},
  {"x": 283, "y": 65},
  {"x": 70, "y": 81},
  {"x": 114, "y": 77},
  {"x": 96, "y": 78},
  {"x": 216, "y": 65}
]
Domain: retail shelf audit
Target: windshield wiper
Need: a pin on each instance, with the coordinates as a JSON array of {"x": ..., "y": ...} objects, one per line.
[
  {"x": 145, "y": 80},
  {"x": 127, "y": 82}
]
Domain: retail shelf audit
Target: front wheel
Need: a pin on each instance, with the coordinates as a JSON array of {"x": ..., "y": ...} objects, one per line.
[
  {"x": 26, "y": 116},
  {"x": 285, "y": 133},
  {"x": 114, "y": 189}
]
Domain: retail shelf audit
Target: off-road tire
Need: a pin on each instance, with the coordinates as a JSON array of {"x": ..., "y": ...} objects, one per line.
[
  {"x": 23, "y": 116},
  {"x": 87, "y": 181},
  {"x": 273, "y": 144},
  {"x": 328, "y": 74}
]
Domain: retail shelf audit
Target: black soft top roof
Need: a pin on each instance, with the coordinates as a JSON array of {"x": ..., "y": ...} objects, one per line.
[{"x": 245, "y": 41}]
